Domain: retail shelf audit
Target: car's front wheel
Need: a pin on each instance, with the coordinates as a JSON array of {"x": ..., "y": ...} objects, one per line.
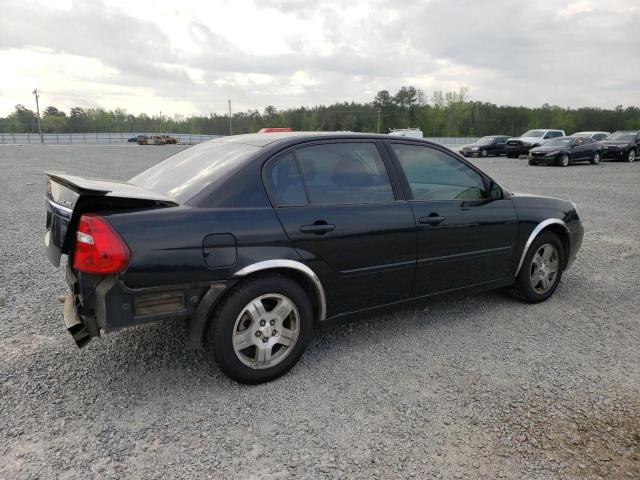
[
  {"x": 631, "y": 156},
  {"x": 595, "y": 160},
  {"x": 563, "y": 160},
  {"x": 260, "y": 330},
  {"x": 541, "y": 270},
  {"x": 484, "y": 153}
]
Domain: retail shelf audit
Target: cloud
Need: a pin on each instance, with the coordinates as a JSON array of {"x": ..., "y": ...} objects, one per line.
[{"x": 194, "y": 56}]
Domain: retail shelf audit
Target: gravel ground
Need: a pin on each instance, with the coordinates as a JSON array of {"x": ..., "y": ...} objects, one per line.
[{"x": 471, "y": 387}]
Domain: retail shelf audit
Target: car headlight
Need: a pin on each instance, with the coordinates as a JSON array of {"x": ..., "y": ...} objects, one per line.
[
  {"x": 551, "y": 154},
  {"x": 527, "y": 144},
  {"x": 474, "y": 148}
]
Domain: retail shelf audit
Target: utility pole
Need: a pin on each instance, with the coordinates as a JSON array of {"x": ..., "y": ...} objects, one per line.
[
  {"x": 379, "y": 113},
  {"x": 230, "y": 130},
  {"x": 35, "y": 92}
]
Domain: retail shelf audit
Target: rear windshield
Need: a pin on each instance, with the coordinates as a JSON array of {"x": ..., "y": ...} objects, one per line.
[
  {"x": 622, "y": 136},
  {"x": 185, "y": 174}
]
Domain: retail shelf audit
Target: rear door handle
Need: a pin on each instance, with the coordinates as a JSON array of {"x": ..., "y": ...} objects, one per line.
[
  {"x": 317, "y": 228},
  {"x": 431, "y": 220}
]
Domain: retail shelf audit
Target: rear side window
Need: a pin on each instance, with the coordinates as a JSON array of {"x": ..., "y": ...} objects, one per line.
[
  {"x": 285, "y": 183},
  {"x": 343, "y": 173},
  {"x": 434, "y": 175}
]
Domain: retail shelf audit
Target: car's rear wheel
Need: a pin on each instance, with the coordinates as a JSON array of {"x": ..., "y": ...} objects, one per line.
[
  {"x": 595, "y": 160},
  {"x": 260, "y": 330},
  {"x": 531, "y": 162},
  {"x": 541, "y": 270},
  {"x": 631, "y": 156},
  {"x": 563, "y": 160}
]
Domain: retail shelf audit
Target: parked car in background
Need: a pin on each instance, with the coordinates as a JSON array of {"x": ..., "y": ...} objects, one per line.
[
  {"x": 406, "y": 132},
  {"x": 255, "y": 240},
  {"x": 158, "y": 140},
  {"x": 136, "y": 138},
  {"x": 597, "y": 136},
  {"x": 563, "y": 151},
  {"x": 517, "y": 146},
  {"x": 486, "y": 146},
  {"x": 622, "y": 145}
]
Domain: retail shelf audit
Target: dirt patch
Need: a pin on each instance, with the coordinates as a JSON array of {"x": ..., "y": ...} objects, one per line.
[{"x": 574, "y": 438}]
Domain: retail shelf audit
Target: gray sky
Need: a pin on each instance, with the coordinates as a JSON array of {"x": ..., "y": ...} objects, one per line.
[{"x": 191, "y": 56}]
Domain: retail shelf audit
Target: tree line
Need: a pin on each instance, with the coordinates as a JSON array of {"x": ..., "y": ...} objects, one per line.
[{"x": 443, "y": 114}]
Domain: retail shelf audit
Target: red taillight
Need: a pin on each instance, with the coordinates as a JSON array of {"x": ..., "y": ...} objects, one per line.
[{"x": 99, "y": 248}]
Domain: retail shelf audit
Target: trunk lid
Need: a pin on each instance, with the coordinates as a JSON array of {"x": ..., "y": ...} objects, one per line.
[{"x": 69, "y": 196}]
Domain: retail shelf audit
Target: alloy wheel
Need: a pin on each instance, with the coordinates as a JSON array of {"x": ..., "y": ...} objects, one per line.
[
  {"x": 266, "y": 331},
  {"x": 545, "y": 266},
  {"x": 484, "y": 153},
  {"x": 631, "y": 156},
  {"x": 596, "y": 158}
]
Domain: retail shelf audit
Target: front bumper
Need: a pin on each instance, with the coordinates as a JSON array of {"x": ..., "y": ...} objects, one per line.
[
  {"x": 518, "y": 149},
  {"x": 575, "y": 242},
  {"x": 616, "y": 153},
  {"x": 542, "y": 160},
  {"x": 469, "y": 153}
]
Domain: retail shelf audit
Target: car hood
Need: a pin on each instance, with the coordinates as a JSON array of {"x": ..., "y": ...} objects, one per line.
[{"x": 549, "y": 149}]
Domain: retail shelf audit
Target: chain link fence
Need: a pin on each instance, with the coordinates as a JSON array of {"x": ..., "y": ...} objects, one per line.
[
  {"x": 122, "y": 138},
  {"x": 95, "y": 138}
]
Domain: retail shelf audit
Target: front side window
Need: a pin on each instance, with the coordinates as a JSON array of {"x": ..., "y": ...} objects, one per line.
[
  {"x": 343, "y": 173},
  {"x": 435, "y": 175}
]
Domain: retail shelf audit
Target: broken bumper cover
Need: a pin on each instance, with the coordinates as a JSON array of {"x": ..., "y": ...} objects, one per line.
[{"x": 97, "y": 305}]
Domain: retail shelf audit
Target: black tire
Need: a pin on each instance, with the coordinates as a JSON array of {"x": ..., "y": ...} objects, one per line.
[
  {"x": 523, "y": 290},
  {"x": 595, "y": 160},
  {"x": 631, "y": 155},
  {"x": 509, "y": 155},
  {"x": 532, "y": 163},
  {"x": 218, "y": 342},
  {"x": 563, "y": 160}
]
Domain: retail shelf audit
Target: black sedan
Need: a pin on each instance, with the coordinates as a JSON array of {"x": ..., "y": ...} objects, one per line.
[
  {"x": 622, "y": 145},
  {"x": 137, "y": 138},
  {"x": 255, "y": 240},
  {"x": 563, "y": 151},
  {"x": 486, "y": 146}
]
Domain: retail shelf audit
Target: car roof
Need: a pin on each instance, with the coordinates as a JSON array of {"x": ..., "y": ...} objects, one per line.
[
  {"x": 588, "y": 133},
  {"x": 265, "y": 139}
]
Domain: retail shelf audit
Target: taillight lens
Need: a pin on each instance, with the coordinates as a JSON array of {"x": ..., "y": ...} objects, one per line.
[{"x": 99, "y": 249}]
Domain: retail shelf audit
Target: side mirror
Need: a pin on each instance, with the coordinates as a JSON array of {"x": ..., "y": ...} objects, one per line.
[{"x": 495, "y": 192}]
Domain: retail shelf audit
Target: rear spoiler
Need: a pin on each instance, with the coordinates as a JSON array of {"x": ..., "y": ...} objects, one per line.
[
  {"x": 69, "y": 196},
  {"x": 108, "y": 188}
]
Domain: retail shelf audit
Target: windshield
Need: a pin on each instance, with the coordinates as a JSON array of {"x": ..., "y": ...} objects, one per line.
[
  {"x": 621, "y": 136},
  {"x": 533, "y": 133},
  {"x": 485, "y": 140},
  {"x": 187, "y": 173},
  {"x": 559, "y": 142}
]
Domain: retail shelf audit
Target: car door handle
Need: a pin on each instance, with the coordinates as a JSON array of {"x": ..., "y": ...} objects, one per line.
[
  {"x": 431, "y": 220},
  {"x": 317, "y": 228}
]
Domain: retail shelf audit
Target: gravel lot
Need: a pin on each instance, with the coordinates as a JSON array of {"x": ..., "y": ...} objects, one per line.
[{"x": 471, "y": 387}]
